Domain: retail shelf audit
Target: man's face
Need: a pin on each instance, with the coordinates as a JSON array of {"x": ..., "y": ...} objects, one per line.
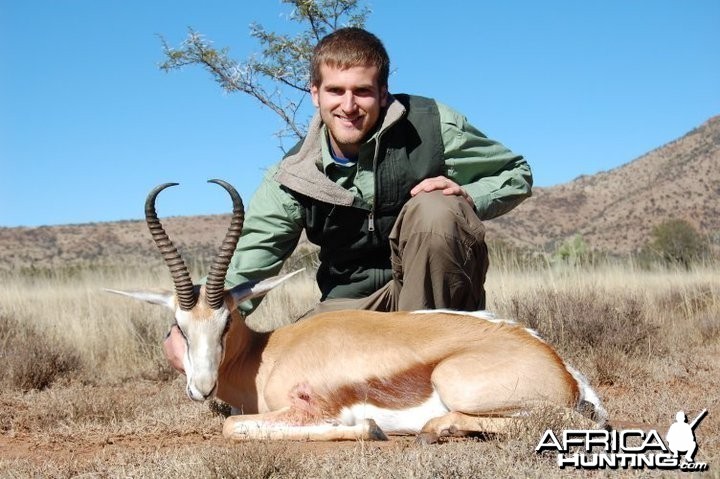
[{"x": 349, "y": 102}]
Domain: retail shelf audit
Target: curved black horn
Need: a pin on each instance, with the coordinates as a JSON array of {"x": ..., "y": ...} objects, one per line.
[
  {"x": 184, "y": 289},
  {"x": 215, "y": 283}
]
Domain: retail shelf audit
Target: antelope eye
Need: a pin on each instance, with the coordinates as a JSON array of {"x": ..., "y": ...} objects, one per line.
[
  {"x": 227, "y": 326},
  {"x": 181, "y": 331}
]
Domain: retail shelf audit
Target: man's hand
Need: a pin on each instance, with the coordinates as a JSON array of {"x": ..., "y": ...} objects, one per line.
[
  {"x": 174, "y": 346},
  {"x": 448, "y": 187}
]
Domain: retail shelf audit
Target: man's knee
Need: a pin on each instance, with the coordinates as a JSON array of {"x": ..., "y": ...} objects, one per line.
[
  {"x": 439, "y": 255},
  {"x": 434, "y": 212},
  {"x": 437, "y": 229}
]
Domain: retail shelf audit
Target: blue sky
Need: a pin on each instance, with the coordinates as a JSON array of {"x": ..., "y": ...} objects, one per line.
[{"x": 89, "y": 124}]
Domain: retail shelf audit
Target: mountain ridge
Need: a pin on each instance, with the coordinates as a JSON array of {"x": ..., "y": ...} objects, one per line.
[{"x": 613, "y": 210}]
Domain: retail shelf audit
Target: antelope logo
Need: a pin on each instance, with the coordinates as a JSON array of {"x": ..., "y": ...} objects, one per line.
[{"x": 356, "y": 374}]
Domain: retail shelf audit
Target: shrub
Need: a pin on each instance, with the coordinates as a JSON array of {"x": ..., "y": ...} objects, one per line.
[
  {"x": 676, "y": 242},
  {"x": 31, "y": 360}
]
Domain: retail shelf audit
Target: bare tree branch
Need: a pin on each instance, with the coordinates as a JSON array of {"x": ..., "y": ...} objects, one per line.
[{"x": 278, "y": 77}]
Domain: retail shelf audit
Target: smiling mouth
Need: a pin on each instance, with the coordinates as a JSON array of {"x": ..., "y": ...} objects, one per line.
[{"x": 354, "y": 121}]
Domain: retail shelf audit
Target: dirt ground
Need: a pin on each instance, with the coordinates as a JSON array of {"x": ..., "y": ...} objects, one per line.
[
  {"x": 647, "y": 355},
  {"x": 37, "y": 433},
  {"x": 145, "y": 421}
]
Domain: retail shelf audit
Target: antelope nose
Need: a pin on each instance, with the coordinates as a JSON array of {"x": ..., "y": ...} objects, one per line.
[
  {"x": 201, "y": 393},
  {"x": 210, "y": 394}
]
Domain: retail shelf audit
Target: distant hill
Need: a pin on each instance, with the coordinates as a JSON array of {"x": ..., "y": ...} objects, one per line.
[
  {"x": 613, "y": 211},
  {"x": 125, "y": 242}
]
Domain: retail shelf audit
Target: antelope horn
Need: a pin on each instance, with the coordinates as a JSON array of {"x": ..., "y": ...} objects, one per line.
[
  {"x": 215, "y": 283},
  {"x": 184, "y": 289}
]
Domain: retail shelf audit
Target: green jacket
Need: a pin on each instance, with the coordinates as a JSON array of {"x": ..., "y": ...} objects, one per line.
[
  {"x": 495, "y": 178},
  {"x": 351, "y": 230}
]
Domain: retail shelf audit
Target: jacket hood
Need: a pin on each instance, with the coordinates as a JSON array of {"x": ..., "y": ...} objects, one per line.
[{"x": 302, "y": 172}]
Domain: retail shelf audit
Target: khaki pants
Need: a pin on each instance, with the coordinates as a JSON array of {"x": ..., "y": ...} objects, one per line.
[{"x": 439, "y": 260}]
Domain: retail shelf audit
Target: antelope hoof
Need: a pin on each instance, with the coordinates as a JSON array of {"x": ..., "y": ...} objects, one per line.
[
  {"x": 426, "y": 438},
  {"x": 373, "y": 431}
]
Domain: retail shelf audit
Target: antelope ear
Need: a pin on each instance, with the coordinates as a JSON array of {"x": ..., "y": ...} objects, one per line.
[
  {"x": 161, "y": 297},
  {"x": 254, "y": 289}
]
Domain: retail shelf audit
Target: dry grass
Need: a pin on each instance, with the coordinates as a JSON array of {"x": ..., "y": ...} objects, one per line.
[{"x": 86, "y": 391}]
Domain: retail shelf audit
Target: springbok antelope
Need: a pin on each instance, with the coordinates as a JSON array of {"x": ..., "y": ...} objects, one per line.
[{"x": 355, "y": 374}]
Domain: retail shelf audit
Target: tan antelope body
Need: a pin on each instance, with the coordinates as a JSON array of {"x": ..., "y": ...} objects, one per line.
[{"x": 362, "y": 374}]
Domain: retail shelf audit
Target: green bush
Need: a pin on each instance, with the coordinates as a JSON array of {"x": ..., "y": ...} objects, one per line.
[{"x": 676, "y": 242}]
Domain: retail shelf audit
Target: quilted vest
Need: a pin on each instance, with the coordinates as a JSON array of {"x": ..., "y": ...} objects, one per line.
[{"x": 353, "y": 239}]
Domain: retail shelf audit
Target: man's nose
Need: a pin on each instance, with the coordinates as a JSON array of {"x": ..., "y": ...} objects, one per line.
[{"x": 348, "y": 102}]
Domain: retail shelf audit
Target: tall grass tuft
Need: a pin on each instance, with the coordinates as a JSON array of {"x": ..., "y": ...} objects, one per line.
[
  {"x": 72, "y": 324},
  {"x": 30, "y": 359}
]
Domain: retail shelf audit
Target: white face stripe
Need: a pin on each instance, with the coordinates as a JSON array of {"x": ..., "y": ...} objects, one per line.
[{"x": 204, "y": 350}]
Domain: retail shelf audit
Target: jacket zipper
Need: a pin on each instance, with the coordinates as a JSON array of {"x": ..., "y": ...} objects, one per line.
[{"x": 371, "y": 215}]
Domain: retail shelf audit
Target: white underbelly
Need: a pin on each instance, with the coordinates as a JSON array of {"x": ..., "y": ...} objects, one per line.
[{"x": 398, "y": 421}]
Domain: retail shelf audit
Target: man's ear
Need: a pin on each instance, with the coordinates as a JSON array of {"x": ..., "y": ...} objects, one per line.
[
  {"x": 315, "y": 93},
  {"x": 384, "y": 96}
]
